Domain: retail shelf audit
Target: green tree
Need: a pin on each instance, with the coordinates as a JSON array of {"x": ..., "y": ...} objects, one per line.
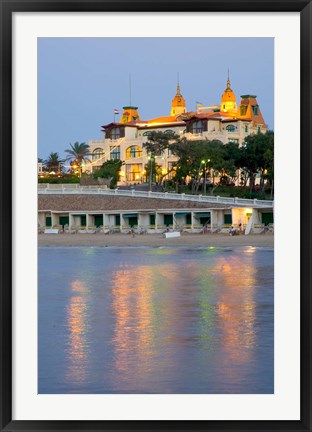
[
  {"x": 268, "y": 159},
  {"x": 257, "y": 156},
  {"x": 232, "y": 156},
  {"x": 153, "y": 170},
  {"x": 78, "y": 154},
  {"x": 197, "y": 160},
  {"x": 53, "y": 163},
  {"x": 109, "y": 170},
  {"x": 157, "y": 142}
]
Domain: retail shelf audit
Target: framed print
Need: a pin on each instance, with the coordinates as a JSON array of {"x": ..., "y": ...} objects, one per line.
[{"x": 155, "y": 215}]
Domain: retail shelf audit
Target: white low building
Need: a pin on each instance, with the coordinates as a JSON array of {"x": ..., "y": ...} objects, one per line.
[{"x": 82, "y": 209}]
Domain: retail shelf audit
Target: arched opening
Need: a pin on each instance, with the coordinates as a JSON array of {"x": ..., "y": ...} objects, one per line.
[{"x": 133, "y": 152}]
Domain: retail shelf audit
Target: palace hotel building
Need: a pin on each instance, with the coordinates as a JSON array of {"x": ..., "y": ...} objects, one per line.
[{"x": 228, "y": 121}]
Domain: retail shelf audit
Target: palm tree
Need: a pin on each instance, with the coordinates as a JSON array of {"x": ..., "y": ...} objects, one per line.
[
  {"x": 54, "y": 163},
  {"x": 78, "y": 153}
]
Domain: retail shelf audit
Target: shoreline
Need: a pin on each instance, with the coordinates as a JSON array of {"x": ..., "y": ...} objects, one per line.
[{"x": 154, "y": 240}]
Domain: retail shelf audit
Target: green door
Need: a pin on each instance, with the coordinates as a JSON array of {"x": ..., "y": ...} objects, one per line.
[
  {"x": 228, "y": 219},
  {"x": 189, "y": 219},
  {"x": 83, "y": 220},
  {"x": 168, "y": 219},
  {"x": 48, "y": 221},
  {"x": 117, "y": 220},
  {"x": 205, "y": 220},
  {"x": 64, "y": 220},
  {"x": 267, "y": 218},
  {"x": 98, "y": 220},
  {"x": 152, "y": 219},
  {"x": 133, "y": 221}
]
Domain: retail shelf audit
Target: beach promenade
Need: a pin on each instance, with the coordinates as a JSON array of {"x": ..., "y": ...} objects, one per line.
[{"x": 155, "y": 240}]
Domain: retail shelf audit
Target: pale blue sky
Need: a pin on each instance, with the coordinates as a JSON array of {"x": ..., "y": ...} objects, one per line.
[{"x": 82, "y": 80}]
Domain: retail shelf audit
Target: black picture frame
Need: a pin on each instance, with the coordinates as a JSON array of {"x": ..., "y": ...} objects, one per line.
[{"x": 8, "y": 7}]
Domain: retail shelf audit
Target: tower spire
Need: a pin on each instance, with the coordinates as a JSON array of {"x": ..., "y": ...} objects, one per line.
[
  {"x": 178, "y": 86},
  {"x": 178, "y": 103},
  {"x": 228, "y": 100},
  {"x": 228, "y": 84}
]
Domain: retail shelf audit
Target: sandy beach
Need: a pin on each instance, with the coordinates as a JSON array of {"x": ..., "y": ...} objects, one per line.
[{"x": 154, "y": 240}]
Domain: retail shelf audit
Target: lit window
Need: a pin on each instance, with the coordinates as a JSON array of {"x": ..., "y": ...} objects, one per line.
[{"x": 133, "y": 152}]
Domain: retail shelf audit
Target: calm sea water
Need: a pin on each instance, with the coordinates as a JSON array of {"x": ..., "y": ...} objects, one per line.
[{"x": 156, "y": 320}]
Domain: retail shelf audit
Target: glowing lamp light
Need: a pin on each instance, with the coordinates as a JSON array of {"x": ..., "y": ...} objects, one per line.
[
  {"x": 121, "y": 173},
  {"x": 248, "y": 211}
]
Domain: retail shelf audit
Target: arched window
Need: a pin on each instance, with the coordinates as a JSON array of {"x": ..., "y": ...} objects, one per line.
[
  {"x": 230, "y": 128},
  {"x": 197, "y": 127},
  {"x": 98, "y": 153},
  {"x": 133, "y": 152}
]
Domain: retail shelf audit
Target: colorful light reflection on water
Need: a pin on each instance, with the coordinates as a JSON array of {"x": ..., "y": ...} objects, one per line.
[{"x": 156, "y": 320}]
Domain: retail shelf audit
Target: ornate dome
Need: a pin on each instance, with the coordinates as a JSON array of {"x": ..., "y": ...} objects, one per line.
[
  {"x": 178, "y": 105},
  {"x": 228, "y": 100}
]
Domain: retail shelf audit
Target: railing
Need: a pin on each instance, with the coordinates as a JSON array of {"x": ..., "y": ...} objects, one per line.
[{"x": 56, "y": 189}]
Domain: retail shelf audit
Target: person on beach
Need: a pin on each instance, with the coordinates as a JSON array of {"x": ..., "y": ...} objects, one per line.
[{"x": 232, "y": 231}]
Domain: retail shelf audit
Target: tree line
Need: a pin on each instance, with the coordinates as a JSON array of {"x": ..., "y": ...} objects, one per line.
[
  {"x": 208, "y": 160},
  {"x": 78, "y": 153},
  {"x": 199, "y": 163}
]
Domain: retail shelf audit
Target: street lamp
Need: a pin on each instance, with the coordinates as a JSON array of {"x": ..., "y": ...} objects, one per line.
[
  {"x": 205, "y": 173},
  {"x": 150, "y": 158}
]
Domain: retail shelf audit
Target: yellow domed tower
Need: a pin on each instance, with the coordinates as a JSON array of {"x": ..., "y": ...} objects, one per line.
[
  {"x": 228, "y": 101},
  {"x": 178, "y": 105}
]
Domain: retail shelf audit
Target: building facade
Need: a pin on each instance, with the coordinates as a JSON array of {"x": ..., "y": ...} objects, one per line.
[{"x": 226, "y": 122}]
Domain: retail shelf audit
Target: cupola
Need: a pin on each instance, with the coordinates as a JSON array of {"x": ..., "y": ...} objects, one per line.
[
  {"x": 178, "y": 105},
  {"x": 130, "y": 113},
  {"x": 228, "y": 101}
]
